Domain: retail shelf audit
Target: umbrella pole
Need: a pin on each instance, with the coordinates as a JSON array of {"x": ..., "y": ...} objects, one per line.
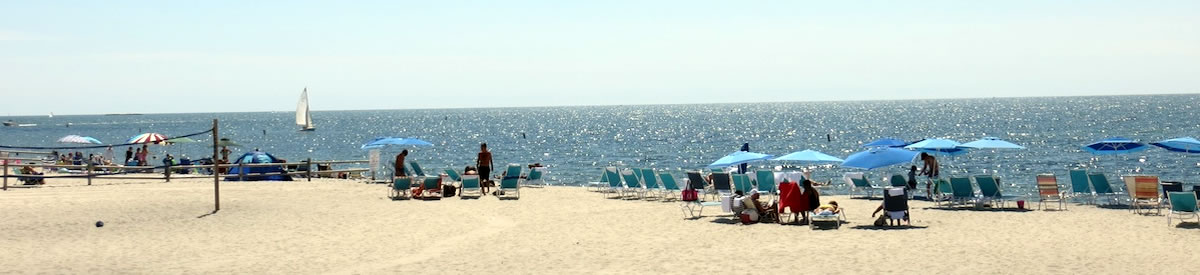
[{"x": 216, "y": 170}]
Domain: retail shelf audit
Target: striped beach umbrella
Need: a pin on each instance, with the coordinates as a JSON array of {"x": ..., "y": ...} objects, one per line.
[
  {"x": 79, "y": 139},
  {"x": 147, "y": 138}
]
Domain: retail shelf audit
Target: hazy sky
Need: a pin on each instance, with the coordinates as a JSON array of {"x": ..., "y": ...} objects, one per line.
[{"x": 73, "y": 57}]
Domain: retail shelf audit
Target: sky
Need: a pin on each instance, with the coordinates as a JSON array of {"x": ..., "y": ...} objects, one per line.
[{"x": 94, "y": 57}]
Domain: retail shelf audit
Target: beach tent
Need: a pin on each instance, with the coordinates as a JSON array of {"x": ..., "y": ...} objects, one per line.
[{"x": 254, "y": 173}]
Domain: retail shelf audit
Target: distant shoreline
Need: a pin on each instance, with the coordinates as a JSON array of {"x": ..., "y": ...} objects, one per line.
[{"x": 122, "y": 114}]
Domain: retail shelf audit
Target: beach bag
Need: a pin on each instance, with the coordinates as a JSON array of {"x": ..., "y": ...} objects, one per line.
[
  {"x": 690, "y": 195},
  {"x": 448, "y": 191}
]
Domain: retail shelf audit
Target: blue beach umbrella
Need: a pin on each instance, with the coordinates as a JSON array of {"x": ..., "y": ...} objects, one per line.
[
  {"x": 991, "y": 143},
  {"x": 1182, "y": 145},
  {"x": 809, "y": 156},
  {"x": 737, "y": 158},
  {"x": 385, "y": 141},
  {"x": 879, "y": 157},
  {"x": 1114, "y": 146},
  {"x": 938, "y": 146},
  {"x": 886, "y": 142}
]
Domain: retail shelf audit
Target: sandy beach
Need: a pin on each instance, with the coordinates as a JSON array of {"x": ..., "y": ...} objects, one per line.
[{"x": 347, "y": 227}]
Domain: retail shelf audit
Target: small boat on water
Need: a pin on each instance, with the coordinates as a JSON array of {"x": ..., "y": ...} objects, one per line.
[
  {"x": 303, "y": 117},
  {"x": 11, "y": 123}
]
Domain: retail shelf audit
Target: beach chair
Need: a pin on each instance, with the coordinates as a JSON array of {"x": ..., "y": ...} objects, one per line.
[
  {"x": 1048, "y": 191},
  {"x": 742, "y": 183},
  {"x": 509, "y": 184},
  {"x": 454, "y": 176},
  {"x": 416, "y": 169},
  {"x": 697, "y": 181},
  {"x": 899, "y": 181},
  {"x": 1183, "y": 205},
  {"x": 535, "y": 177},
  {"x": 1143, "y": 193},
  {"x": 400, "y": 188},
  {"x": 671, "y": 188},
  {"x": 895, "y": 205},
  {"x": 633, "y": 183},
  {"x": 942, "y": 191},
  {"x": 1101, "y": 187},
  {"x": 1081, "y": 186},
  {"x": 859, "y": 183},
  {"x": 815, "y": 219},
  {"x": 614, "y": 182},
  {"x": 470, "y": 187},
  {"x": 650, "y": 181},
  {"x": 721, "y": 186},
  {"x": 431, "y": 188},
  {"x": 765, "y": 182},
  {"x": 601, "y": 185},
  {"x": 962, "y": 190},
  {"x": 991, "y": 190}
]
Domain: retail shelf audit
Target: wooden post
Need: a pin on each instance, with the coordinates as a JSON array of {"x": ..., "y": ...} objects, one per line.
[
  {"x": 216, "y": 170},
  {"x": 5, "y": 174},
  {"x": 89, "y": 172},
  {"x": 241, "y": 171},
  {"x": 308, "y": 172}
]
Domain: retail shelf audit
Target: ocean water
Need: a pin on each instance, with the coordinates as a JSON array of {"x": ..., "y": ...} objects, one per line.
[{"x": 577, "y": 142}]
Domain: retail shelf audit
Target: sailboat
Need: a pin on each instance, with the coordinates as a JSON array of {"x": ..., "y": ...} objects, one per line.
[{"x": 303, "y": 118}]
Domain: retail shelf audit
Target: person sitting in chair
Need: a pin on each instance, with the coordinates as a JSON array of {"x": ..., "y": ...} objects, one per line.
[{"x": 28, "y": 170}]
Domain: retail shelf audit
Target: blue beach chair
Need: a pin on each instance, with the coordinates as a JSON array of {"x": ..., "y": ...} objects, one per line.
[
  {"x": 633, "y": 183},
  {"x": 1183, "y": 205},
  {"x": 650, "y": 179},
  {"x": 509, "y": 187},
  {"x": 1101, "y": 187},
  {"x": 765, "y": 180},
  {"x": 991, "y": 190},
  {"x": 670, "y": 187},
  {"x": 1081, "y": 186},
  {"x": 858, "y": 182},
  {"x": 400, "y": 189},
  {"x": 470, "y": 187},
  {"x": 963, "y": 191}
]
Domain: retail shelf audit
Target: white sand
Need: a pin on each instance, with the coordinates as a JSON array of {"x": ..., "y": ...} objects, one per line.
[{"x": 332, "y": 226}]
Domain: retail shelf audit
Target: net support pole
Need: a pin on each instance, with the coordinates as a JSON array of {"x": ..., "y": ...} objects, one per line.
[
  {"x": 308, "y": 172},
  {"x": 5, "y": 174},
  {"x": 216, "y": 170}
]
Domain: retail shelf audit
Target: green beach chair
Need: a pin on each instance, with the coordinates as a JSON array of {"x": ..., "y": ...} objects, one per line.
[
  {"x": 633, "y": 183},
  {"x": 1081, "y": 186},
  {"x": 899, "y": 181},
  {"x": 963, "y": 191},
  {"x": 1183, "y": 205},
  {"x": 1101, "y": 187},
  {"x": 671, "y": 188},
  {"x": 534, "y": 177},
  {"x": 650, "y": 179},
  {"x": 613, "y": 177},
  {"x": 991, "y": 190},
  {"x": 416, "y": 169},
  {"x": 742, "y": 183},
  {"x": 400, "y": 189},
  {"x": 431, "y": 188},
  {"x": 509, "y": 184},
  {"x": 454, "y": 176},
  {"x": 858, "y": 182},
  {"x": 470, "y": 187},
  {"x": 943, "y": 191},
  {"x": 601, "y": 185},
  {"x": 765, "y": 180}
]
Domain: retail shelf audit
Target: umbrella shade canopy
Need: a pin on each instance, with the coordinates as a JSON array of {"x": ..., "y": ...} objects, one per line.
[
  {"x": 739, "y": 157},
  {"x": 886, "y": 142},
  {"x": 1182, "y": 145},
  {"x": 226, "y": 142},
  {"x": 879, "y": 157},
  {"x": 991, "y": 143},
  {"x": 79, "y": 139},
  {"x": 180, "y": 140},
  {"x": 147, "y": 138},
  {"x": 1114, "y": 145},
  {"x": 938, "y": 146},
  {"x": 811, "y": 156},
  {"x": 385, "y": 141}
]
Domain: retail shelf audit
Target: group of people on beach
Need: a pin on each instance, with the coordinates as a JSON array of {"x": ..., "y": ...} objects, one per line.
[{"x": 483, "y": 166}]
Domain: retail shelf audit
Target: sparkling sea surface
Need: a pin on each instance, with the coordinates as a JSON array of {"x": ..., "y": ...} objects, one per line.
[{"x": 577, "y": 142}]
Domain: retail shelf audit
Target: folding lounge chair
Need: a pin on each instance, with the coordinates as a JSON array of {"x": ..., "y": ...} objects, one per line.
[
  {"x": 509, "y": 187},
  {"x": 742, "y": 183},
  {"x": 614, "y": 182},
  {"x": 1081, "y": 186},
  {"x": 765, "y": 180},
  {"x": 1183, "y": 205},
  {"x": 942, "y": 191},
  {"x": 470, "y": 187},
  {"x": 454, "y": 176},
  {"x": 991, "y": 190},
  {"x": 416, "y": 169},
  {"x": 671, "y": 188},
  {"x": 698, "y": 182},
  {"x": 721, "y": 183},
  {"x": 400, "y": 188},
  {"x": 431, "y": 188},
  {"x": 650, "y": 179},
  {"x": 1047, "y": 185},
  {"x": 861, "y": 184},
  {"x": 837, "y": 219},
  {"x": 1143, "y": 193},
  {"x": 1102, "y": 187},
  {"x": 633, "y": 184},
  {"x": 599, "y": 186},
  {"x": 534, "y": 177},
  {"x": 963, "y": 191},
  {"x": 895, "y": 205},
  {"x": 899, "y": 181}
]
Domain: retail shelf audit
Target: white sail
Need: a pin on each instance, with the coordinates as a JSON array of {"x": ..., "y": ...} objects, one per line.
[{"x": 303, "y": 118}]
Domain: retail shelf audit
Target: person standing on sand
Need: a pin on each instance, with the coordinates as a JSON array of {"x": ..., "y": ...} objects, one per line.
[
  {"x": 225, "y": 154},
  {"x": 128, "y": 154},
  {"x": 483, "y": 164},
  {"x": 399, "y": 165},
  {"x": 929, "y": 169},
  {"x": 109, "y": 155}
]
